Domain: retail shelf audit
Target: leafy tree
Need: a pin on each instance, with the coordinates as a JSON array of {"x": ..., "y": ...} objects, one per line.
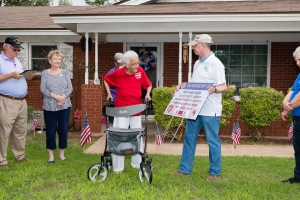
[
  {"x": 26, "y": 3},
  {"x": 100, "y": 2},
  {"x": 65, "y": 3}
]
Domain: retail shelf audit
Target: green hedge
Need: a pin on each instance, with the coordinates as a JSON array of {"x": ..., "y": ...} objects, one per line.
[{"x": 260, "y": 106}]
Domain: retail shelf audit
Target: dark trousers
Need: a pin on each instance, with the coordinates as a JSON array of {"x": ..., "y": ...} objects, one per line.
[
  {"x": 296, "y": 145},
  {"x": 56, "y": 121}
]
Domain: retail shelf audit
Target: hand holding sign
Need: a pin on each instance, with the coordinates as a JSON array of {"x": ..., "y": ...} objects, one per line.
[{"x": 188, "y": 100}]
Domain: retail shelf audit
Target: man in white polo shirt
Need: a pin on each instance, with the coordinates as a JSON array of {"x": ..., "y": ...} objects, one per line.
[
  {"x": 13, "y": 112},
  {"x": 207, "y": 69}
]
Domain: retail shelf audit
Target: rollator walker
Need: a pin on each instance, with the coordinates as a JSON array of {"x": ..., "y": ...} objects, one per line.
[{"x": 123, "y": 141}]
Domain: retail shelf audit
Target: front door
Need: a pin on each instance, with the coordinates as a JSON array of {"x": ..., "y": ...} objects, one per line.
[{"x": 150, "y": 59}]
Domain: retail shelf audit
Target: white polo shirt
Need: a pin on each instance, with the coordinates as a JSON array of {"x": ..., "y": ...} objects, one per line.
[{"x": 210, "y": 71}]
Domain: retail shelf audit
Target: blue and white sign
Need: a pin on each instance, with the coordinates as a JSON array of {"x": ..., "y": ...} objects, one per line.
[{"x": 188, "y": 100}]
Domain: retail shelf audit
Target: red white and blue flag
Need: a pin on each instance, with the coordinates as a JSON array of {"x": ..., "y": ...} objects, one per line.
[
  {"x": 291, "y": 130},
  {"x": 35, "y": 123},
  {"x": 158, "y": 140},
  {"x": 236, "y": 134},
  {"x": 86, "y": 135}
]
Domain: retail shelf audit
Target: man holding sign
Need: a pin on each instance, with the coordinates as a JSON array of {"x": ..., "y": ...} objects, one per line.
[{"x": 207, "y": 69}]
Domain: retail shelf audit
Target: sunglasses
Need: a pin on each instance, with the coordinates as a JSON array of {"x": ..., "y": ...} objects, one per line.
[{"x": 18, "y": 50}]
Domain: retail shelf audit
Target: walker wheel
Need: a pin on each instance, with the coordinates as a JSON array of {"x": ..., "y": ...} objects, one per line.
[
  {"x": 97, "y": 173},
  {"x": 145, "y": 173}
]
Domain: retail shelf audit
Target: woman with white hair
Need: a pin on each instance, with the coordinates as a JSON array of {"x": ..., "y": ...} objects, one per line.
[
  {"x": 118, "y": 59},
  {"x": 129, "y": 81}
]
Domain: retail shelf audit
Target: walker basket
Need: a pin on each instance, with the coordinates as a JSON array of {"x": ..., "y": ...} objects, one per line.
[{"x": 123, "y": 143}]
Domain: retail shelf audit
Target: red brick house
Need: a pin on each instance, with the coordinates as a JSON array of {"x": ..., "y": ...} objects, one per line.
[{"x": 254, "y": 39}]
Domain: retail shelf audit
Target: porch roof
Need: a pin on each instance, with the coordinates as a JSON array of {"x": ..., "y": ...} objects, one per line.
[
  {"x": 224, "y": 7},
  {"x": 273, "y": 16}
]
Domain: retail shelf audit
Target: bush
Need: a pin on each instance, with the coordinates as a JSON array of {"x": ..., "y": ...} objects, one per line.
[
  {"x": 161, "y": 98},
  {"x": 30, "y": 113},
  {"x": 228, "y": 105},
  {"x": 260, "y": 106}
]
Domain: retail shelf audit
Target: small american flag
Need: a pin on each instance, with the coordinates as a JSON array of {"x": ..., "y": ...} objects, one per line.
[
  {"x": 86, "y": 135},
  {"x": 35, "y": 123},
  {"x": 291, "y": 130},
  {"x": 157, "y": 136},
  {"x": 236, "y": 134}
]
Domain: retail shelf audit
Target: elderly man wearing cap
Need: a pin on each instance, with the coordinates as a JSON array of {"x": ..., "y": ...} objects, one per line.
[
  {"x": 207, "y": 69},
  {"x": 13, "y": 112}
]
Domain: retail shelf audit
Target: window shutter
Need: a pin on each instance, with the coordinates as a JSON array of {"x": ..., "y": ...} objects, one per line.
[
  {"x": 23, "y": 55},
  {"x": 67, "y": 62}
]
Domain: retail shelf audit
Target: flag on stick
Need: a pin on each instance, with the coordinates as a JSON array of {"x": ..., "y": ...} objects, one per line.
[
  {"x": 236, "y": 134},
  {"x": 157, "y": 136},
  {"x": 291, "y": 130},
  {"x": 86, "y": 135},
  {"x": 34, "y": 123}
]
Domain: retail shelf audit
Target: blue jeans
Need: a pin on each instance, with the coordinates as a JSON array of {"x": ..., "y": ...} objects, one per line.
[
  {"x": 296, "y": 145},
  {"x": 211, "y": 126}
]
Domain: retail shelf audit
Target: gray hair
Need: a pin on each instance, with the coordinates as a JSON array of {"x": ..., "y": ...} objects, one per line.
[
  {"x": 4, "y": 45},
  {"x": 128, "y": 55},
  {"x": 118, "y": 56},
  {"x": 296, "y": 52}
]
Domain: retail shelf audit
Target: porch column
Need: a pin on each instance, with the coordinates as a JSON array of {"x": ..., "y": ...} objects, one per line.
[
  {"x": 96, "y": 78},
  {"x": 86, "y": 75},
  {"x": 190, "y": 59},
  {"x": 180, "y": 59}
]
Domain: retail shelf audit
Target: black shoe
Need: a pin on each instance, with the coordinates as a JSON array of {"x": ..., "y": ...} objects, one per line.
[
  {"x": 50, "y": 162},
  {"x": 291, "y": 180}
]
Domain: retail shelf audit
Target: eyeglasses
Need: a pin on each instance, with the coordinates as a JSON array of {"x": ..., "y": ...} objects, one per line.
[
  {"x": 14, "y": 49},
  {"x": 135, "y": 63}
]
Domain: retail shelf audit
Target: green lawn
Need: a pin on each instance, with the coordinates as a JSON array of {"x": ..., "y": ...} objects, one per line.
[{"x": 242, "y": 178}]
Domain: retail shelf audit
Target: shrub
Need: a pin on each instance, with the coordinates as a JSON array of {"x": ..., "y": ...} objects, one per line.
[
  {"x": 161, "y": 98},
  {"x": 228, "y": 105},
  {"x": 260, "y": 106},
  {"x": 30, "y": 113}
]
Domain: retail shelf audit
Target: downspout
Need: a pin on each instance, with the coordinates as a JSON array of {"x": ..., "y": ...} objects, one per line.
[
  {"x": 180, "y": 59},
  {"x": 190, "y": 58},
  {"x": 86, "y": 75}
]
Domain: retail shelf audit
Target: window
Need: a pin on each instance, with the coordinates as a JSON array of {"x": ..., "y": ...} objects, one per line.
[
  {"x": 245, "y": 65},
  {"x": 39, "y": 55}
]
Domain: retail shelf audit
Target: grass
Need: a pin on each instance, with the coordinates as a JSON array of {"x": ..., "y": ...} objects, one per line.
[{"x": 242, "y": 178}]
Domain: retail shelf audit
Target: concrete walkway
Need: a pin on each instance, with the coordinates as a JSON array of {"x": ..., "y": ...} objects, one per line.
[{"x": 202, "y": 149}]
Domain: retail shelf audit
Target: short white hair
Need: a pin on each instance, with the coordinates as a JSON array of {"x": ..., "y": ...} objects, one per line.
[
  {"x": 118, "y": 56},
  {"x": 296, "y": 52},
  {"x": 128, "y": 55}
]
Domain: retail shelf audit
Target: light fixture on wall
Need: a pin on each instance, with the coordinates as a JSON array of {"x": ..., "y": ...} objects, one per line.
[
  {"x": 82, "y": 43},
  {"x": 185, "y": 52}
]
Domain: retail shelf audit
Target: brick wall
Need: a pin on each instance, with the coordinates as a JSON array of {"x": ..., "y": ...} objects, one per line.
[
  {"x": 91, "y": 105},
  {"x": 283, "y": 67},
  {"x": 170, "y": 74}
]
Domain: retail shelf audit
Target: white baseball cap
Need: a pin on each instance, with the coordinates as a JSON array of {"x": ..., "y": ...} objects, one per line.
[{"x": 204, "y": 38}]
